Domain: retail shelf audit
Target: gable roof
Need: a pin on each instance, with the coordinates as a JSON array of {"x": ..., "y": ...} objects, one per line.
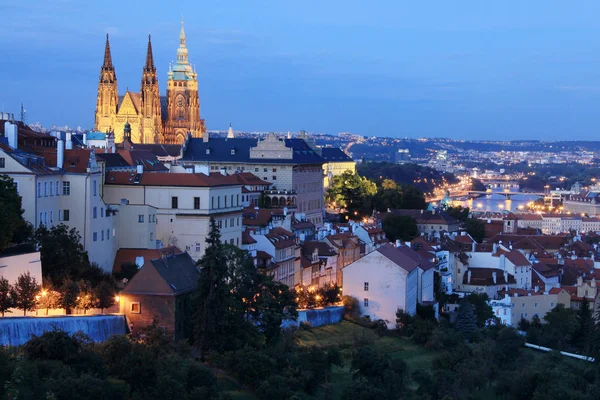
[
  {"x": 405, "y": 257},
  {"x": 129, "y": 255},
  {"x": 324, "y": 249},
  {"x": 165, "y": 276}
]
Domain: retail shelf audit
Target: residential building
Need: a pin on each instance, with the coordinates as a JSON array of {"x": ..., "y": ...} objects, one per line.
[
  {"x": 370, "y": 234},
  {"x": 293, "y": 168},
  {"x": 386, "y": 280},
  {"x": 280, "y": 244},
  {"x": 18, "y": 260},
  {"x": 162, "y": 289},
  {"x": 347, "y": 247},
  {"x": 336, "y": 163},
  {"x": 184, "y": 204},
  {"x": 319, "y": 264}
]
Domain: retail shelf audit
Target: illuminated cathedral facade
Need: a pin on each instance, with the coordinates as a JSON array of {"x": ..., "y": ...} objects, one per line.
[{"x": 152, "y": 118}]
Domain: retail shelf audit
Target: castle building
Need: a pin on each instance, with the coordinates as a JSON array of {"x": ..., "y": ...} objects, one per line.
[{"x": 152, "y": 118}]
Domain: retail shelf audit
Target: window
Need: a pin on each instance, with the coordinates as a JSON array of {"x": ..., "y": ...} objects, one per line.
[
  {"x": 65, "y": 215},
  {"x": 66, "y": 188},
  {"x": 95, "y": 212},
  {"x": 366, "y": 302},
  {"x": 225, "y": 201},
  {"x": 2, "y": 162},
  {"x": 198, "y": 247},
  {"x": 95, "y": 236},
  {"x": 108, "y": 234},
  {"x": 45, "y": 189},
  {"x": 255, "y": 169},
  {"x": 523, "y": 305},
  {"x": 196, "y": 203},
  {"x": 274, "y": 178},
  {"x": 51, "y": 217},
  {"x": 366, "y": 286},
  {"x": 135, "y": 308},
  {"x": 274, "y": 169},
  {"x": 57, "y": 185},
  {"x": 60, "y": 217},
  {"x": 51, "y": 189},
  {"x": 141, "y": 218},
  {"x": 41, "y": 218},
  {"x": 237, "y": 242},
  {"x": 212, "y": 202},
  {"x": 264, "y": 170},
  {"x": 95, "y": 187},
  {"x": 174, "y": 202},
  {"x": 231, "y": 241},
  {"x": 102, "y": 235},
  {"x": 225, "y": 223}
]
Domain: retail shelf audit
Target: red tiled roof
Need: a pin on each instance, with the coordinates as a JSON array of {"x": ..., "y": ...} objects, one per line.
[
  {"x": 247, "y": 238},
  {"x": 405, "y": 257},
  {"x": 281, "y": 238},
  {"x": 168, "y": 179},
  {"x": 484, "y": 277},
  {"x": 129, "y": 255}
]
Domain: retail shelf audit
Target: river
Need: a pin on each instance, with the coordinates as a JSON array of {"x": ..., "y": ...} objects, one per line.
[{"x": 497, "y": 202}]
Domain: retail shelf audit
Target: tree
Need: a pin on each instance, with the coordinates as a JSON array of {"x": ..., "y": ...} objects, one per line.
[
  {"x": 466, "y": 321},
  {"x": 212, "y": 295},
  {"x": 24, "y": 292},
  {"x": 276, "y": 304},
  {"x": 105, "y": 295},
  {"x": 86, "y": 298},
  {"x": 482, "y": 309},
  {"x": 586, "y": 326},
  {"x": 353, "y": 193},
  {"x": 412, "y": 198},
  {"x": 6, "y": 300},
  {"x": 561, "y": 327},
  {"x": 14, "y": 227},
  {"x": 475, "y": 228},
  {"x": 400, "y": 227},
  {"x": 49, "y": 298},
  {"x": 127, "y": 271},
  {"x": 62, "y": 254},
  {"x": 69, "y": 293},
  {"x": 459, "y": 212}
]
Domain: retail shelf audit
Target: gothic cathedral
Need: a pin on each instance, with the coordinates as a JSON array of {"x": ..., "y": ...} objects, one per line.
[{"x": 151, "y": 118}]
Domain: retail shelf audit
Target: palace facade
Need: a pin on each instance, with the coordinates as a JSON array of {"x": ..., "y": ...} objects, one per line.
[{"x": 153, "y": 118}]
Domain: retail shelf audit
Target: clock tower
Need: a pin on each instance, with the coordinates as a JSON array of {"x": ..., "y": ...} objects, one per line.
[{"x": 183, "y": 102}]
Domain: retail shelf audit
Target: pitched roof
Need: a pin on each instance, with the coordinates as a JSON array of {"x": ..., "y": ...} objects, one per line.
[
  {"x": 405, "y": 257},
  {"x": 168, "y": 179},
  {"x": 220, "y": 151},
  {"x": 485, "y": 277},
  {"x": 170, "y": 275},
  {"x": 247, "y": 238},
  {"x": 281, "y": 238},
  {"x": 142, "y": 157},
  {"x": 334, "y": 154},
  {"x": 36, "y": 164},
  {"x": 129, "y": 255},
  {"x": 113, "y": 160},
  {"x": 159, "y": 150},
  {"x": 261, "y": 217},
  {"x": 324, "y": 249}
]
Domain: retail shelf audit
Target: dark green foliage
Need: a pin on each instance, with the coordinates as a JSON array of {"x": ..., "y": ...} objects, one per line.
[
  {"x": 86, "y": 298},
  {"x": 377, "y": 374},
  {"x": 353, "y": 193},
  {"x": 69, "y": 293},
  {"x": 351, "y": 307},
  {"x": 6, "y": 300},
  {"x": 14, "y": 228},
  {"x": 466, "y": 320},
  {"x": 105, "y": 295},
  {"x": 475, "y": 228},
  {"x": 62, "y": 254},
  {"x": 400, "y": 227},
  {"x": 459, "y": 212},
  {"x": 24, "y": 291},
  {"x": 483, "y": 311},
  {"x": 127, "y": 271}
]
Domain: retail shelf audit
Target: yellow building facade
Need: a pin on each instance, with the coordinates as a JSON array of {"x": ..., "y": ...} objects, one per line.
[{"x": 152, "y": 118}]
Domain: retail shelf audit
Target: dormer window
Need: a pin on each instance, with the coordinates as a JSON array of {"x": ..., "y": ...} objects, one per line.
[
  {"x": 232, "y": 151},
  {"x": 207, "y": 151}
]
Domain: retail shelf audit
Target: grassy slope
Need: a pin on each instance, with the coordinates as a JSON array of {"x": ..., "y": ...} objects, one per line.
[{"x": 343, "y": 336}]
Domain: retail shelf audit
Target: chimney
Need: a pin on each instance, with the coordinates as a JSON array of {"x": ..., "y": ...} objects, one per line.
[
  {"x": 60, "y": 153},
  {"x": 536, "y": 289},
  {"x": 85, "y": 138},
  {"x": 469, "y": 276},
  {"x": 140, "y": 169},
  {"x": 473, "y": 247},
  {"x": 494, "y": 277},
  {"x": 11, "y": 133},
  {"x": 69, "y": 142},
  {"x": 506, "y": 276},
  {"x": 398, "y": 243}
]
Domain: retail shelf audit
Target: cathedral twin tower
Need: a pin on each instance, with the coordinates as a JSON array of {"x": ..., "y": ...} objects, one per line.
[{"x": 152, "y": 118}]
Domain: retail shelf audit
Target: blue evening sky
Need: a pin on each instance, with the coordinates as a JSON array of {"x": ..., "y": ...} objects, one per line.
[{"x": 469, "y": 69}]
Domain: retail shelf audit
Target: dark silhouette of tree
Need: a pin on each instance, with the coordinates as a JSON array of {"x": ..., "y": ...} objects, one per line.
[
  {"x": 6, "y": 300},
  {"x": 475, "y": 228},
  {"x": 352, "y": 192},
  {"x": 69, "y": 292},
  {"x": 482, "y": 309},
  {"x": 466, "y": 321},
  {"x": 14, "y": 227},
  {"x": 400, "y": 227},
  {"x": 24, "y": 291},
  {"x": 213, "y": 293},
  {"x": 86, "y": 298},
  {"x": 62, "y": 254},
  {"x": 105, "y": 295}
]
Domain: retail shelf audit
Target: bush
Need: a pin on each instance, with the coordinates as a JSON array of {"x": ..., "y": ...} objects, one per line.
[
  {"x": 380, "y": 327},
  {"x": 351, "y": 307}
]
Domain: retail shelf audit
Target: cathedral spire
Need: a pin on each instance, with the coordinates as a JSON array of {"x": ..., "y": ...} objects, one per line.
[
  {"x": 182, "y": 52},
  {"x": 107, "y": 57},
  {"x": 149, "y": 58}
]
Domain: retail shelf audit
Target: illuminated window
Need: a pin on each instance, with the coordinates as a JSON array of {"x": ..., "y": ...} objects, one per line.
[{"x": 135, "y": 308}]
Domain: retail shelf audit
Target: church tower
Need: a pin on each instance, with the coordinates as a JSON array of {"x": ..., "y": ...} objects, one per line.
[
  {"x": 150, "y": 101},
  {"x": 108, "y": 97},
  {"x": 183, "y": 102}
]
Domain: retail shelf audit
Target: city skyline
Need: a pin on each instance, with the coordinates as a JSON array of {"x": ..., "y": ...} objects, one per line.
[{"x": 509, "y": 71}]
